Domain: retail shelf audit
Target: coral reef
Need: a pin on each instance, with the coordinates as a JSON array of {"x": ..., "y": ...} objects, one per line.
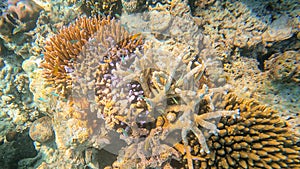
[
  {"x": 156, "y": 84},
  {"x": 258, "y": 138},
  {"x": 107, "y": 71}
]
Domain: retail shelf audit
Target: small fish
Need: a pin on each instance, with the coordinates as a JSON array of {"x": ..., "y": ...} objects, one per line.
[
  {"x": 174, "y": 100},
  {"x": 124, "y": 132},
  {"x": 133, "y": 37},
  {"x": 55, "y": 71},
  {"x": 123, "y": 59},
  {"x": 16, "y": 70},
  {"x": 118, "y": 16},
  {"x": 73, "y": 41},
  {"x": 42, "y": 99},
  {"x": 55, "y": 94}
]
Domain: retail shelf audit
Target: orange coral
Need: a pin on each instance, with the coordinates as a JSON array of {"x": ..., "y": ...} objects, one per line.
[{"x": 62, "y": 50}]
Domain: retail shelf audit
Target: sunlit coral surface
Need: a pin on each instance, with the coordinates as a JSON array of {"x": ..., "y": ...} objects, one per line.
[{"x": 165, "y": 84}]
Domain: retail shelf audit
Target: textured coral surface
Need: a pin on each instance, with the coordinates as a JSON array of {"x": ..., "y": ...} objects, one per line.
[{"x": 149, "y": 84}]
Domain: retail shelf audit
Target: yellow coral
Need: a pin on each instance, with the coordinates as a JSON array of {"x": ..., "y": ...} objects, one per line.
[{"x": 258, "y": 138}]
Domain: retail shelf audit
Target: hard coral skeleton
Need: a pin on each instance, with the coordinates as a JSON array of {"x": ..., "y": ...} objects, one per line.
[{"x": 171, "y": 78}]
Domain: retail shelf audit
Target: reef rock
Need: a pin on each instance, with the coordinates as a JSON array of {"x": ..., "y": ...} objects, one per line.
[
  {"x": 284, "y": 66},
  {"x": 41, "y": 130}
]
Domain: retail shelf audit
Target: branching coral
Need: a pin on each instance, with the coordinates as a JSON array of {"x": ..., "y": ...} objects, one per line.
[
  {"x": 73, "y": 63},
  {"x": 168, "y": 102},
  {"x": 258, "y": 138},
  {"x": 62, "y": 50}
]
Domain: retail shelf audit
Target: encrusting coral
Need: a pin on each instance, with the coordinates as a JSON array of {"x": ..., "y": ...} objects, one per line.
[{"x": 258, "y": 138}]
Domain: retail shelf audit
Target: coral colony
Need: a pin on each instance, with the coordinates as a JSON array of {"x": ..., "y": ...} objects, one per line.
[
  {"x": 132, "y": 84},
  {"x": 154, "y": 89},
  {"x": 150, "y": 95}
]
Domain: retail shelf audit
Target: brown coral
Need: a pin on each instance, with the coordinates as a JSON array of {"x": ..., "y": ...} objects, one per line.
[
  {"x": 284, "y": 66},
  {"x": 257, "y": 139},
  {"x": 107, "y": 7},
  {"x": 19, "y": 16}
]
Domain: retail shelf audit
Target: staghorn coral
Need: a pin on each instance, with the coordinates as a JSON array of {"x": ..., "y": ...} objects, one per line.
[
  {"x": 258, "y": 138},
  {"x": 141, "y": 96},
  {"x": 153, "y": 100}
]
